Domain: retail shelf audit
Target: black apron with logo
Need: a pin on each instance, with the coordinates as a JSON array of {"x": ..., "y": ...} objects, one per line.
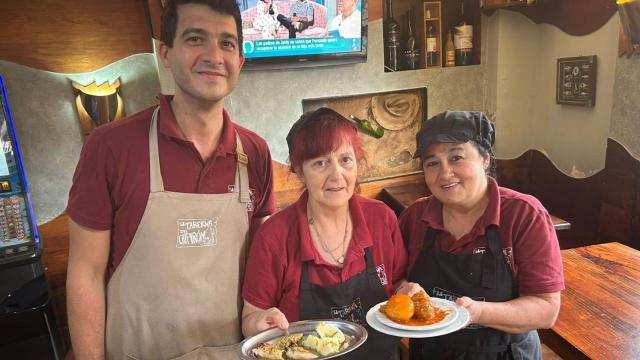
[
  {"x": 350, "y": 301},
  {"x": 484, "y": 276}
]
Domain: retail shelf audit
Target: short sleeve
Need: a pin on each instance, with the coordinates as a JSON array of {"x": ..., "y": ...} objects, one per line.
[
  {"x": 537, "y": 255},
  {"x": 264, "y": 272},
  {"x": 400, "y": 253},
  {"x": 266, "y": 205},
  {"x": 90, "y": 203}
]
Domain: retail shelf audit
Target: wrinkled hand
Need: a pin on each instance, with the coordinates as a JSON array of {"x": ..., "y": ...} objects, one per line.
[
  {"x": 474, "y": 307},
  {"x": 270, "y": 318},
  {"x": 409, "y": 288}
]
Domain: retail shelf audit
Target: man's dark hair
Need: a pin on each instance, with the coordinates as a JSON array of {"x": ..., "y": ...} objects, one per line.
[{"x": 169, "y": 19}]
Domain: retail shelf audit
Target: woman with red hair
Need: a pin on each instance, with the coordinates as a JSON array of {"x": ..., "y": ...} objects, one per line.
[{"x": 332, "y": 254}]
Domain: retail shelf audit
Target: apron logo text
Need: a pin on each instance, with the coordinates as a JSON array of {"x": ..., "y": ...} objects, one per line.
[
  {"x": 197, "y": 232},
  {"x": 352, "y": 312},
  {"x": 382, "y": 274},
  {"x": 507, "y": 252}
]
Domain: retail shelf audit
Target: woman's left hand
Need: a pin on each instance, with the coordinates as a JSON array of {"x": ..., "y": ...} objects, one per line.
[
  {"x": 409, "y": 288},
  {"x": 474, "y": 308}
]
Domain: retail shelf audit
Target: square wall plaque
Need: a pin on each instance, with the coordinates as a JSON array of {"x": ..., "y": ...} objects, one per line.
[{"x": 576, "y": 81}]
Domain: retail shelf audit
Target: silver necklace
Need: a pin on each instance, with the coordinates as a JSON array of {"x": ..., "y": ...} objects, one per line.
[{"x": 339, "y": 259}]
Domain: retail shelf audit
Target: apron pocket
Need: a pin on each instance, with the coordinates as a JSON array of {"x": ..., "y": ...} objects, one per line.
[
  {"x": 227, "y": 352},
  {"x": 527, "y": 348}
]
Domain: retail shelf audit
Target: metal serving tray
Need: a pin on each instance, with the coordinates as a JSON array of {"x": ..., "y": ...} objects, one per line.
[{"x": 357, "y": 333}]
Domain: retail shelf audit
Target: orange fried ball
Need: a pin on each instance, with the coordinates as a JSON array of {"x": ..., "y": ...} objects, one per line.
[{"x": 400, "y": 307}]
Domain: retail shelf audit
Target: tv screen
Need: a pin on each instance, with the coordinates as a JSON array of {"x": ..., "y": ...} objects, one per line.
[{"x": 289, "y": 33}]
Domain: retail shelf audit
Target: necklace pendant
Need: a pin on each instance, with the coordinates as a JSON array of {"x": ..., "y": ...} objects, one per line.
[{"x": 340, "y": 260}]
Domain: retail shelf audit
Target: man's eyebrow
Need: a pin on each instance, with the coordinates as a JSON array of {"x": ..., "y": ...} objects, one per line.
[
  {"x": 193, "y": 31},
  {"x": 227, "y": 35}
]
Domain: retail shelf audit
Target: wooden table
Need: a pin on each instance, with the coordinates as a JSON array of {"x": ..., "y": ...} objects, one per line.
[
  {"x": 600, "y": 312},
  {"x": 400, "y": 196}
]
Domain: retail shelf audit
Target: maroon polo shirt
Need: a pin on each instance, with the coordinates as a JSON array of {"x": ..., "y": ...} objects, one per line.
[
  {"x": 283, "y": 242},
  {"x": 111, "y": 183},
  {"x": 529, "y": 240}
]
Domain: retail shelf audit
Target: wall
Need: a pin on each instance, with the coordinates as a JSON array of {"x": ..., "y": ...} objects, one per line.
[
  {"x": 269, "y": 102},
  {"x": 573, "y": 137},
  {"x": 625, "y": 118}
]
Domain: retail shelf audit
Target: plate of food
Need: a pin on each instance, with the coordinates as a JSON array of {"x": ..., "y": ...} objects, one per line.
[
  {"x": 417, "y": 313},
  {"x": 459, "y": 322},
  {"x": 310, "y": 339}
]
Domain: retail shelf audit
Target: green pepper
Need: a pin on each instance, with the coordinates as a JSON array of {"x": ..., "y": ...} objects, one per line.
[{"x": 367, "y": 128}]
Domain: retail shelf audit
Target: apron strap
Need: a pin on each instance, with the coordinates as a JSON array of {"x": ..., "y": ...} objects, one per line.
[
  {"x": 155, "y": 176},
  {"x": 491, "y": 257},
  {"x": 242, "y": 175}
]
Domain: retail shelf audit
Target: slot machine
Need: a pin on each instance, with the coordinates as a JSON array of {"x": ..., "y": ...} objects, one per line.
[{"x": 27, "y": 324}]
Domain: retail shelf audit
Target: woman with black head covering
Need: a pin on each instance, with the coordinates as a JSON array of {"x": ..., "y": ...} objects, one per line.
[
  {"x": 492, "y": 250},
  {"x": 332, "y": 254}
]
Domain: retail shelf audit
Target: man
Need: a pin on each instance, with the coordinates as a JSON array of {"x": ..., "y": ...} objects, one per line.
[
  {"x": 161, "y": 204},
  {"x": 347, "y": 23},
  {"x": 300, "y": 17}
]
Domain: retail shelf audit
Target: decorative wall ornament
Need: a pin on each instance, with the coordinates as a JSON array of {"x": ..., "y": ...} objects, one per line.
[
  {"x": 98, "y": 104},
  {"x": 576, "y": 81}
]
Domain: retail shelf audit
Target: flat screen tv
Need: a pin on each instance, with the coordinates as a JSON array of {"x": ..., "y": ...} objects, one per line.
[{"x": 301, "y": 33}]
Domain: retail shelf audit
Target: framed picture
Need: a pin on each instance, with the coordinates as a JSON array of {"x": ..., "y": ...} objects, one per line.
[{"x": 576, "y": 81}]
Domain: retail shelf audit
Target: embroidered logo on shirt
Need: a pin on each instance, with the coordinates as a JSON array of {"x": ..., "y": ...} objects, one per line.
[
  {"x": 352, "y": 312},
  {"x": 197, "y": 232},
  {"x": 382, "y": 274},
  {"x": 507, "y": 252}
]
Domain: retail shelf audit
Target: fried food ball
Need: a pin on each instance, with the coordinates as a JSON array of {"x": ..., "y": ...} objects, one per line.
[
  {"x": 423, "y": 308},
  {"x": 399, "y": 307}
]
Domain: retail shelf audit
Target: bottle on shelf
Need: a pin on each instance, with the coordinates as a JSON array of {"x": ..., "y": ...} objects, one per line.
[
  {"x": 392, "y": 37},
  {"x": 411, "y": 53},
  {"x": 463, "y": 39},
  {"x": 432, "y": 46},
  {"x": 450, "y": 52}
]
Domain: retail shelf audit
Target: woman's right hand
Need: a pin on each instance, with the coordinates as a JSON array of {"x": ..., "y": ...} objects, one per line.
[
  {"x": 255, "y": 319},
  {"x": 265, "y": 319}
]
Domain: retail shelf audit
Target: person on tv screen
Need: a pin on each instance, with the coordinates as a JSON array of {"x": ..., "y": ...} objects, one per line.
[
  {"x": 266, "y": 19},
  {"x": 347, "y": 23},
  {"x": 300, "y": 17}
]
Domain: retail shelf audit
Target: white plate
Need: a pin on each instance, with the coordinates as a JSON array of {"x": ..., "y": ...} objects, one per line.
[
  {"x": 460, "y": 322},
  {"x": 357, "y": 333},
  {"x": 446, "y": 305}
]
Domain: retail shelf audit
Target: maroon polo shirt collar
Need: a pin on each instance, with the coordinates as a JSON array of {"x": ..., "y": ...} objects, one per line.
[
  {"x": 432, "y": 214},
  {"x": 361, "y": 238},
  {"x": 169, "y": 127}
]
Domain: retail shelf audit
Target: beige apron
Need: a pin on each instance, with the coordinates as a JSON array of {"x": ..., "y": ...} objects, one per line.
[{"x": 176, "y": 293}]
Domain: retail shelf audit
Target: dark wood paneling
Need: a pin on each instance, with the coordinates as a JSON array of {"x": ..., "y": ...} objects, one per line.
[
  {"x": 72, "y": 36},
  {"x": 575, "y": 17}
]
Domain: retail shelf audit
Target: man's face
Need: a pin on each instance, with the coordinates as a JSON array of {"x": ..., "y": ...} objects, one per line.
[
  {"x": 205, "y": 58},
  {"x": 347, "y": 6}
]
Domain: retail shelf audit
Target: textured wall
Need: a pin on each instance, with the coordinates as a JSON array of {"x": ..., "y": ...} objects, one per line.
[
  {"x": 268, "y": 102},
  {"x": 43, "y": 109},
  {"x": 625, "y": 115},
  {"x": 573, "y": 137}
]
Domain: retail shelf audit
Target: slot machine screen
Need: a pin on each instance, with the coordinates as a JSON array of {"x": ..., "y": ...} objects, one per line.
[{"x": 18, "y": 233}]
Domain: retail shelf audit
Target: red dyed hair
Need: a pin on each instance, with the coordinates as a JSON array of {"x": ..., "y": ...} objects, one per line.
[{"x": 321, "y": 134}]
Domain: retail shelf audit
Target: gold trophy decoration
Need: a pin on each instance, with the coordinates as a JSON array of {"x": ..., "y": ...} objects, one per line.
[{"x": 98, "y": 104}]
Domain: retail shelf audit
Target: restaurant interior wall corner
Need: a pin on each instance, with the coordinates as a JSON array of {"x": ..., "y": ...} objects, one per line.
[{"x": 528, "y": 117}]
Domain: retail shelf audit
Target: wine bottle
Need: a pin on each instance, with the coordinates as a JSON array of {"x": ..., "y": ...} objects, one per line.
[
  {"x": 450, "y": 52},
  {"x": 410, "y": 53},
  {"x": 392, "y": 36},
  {"x": 432, "y": 46},
  {"x": 463, "y": 39}
]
